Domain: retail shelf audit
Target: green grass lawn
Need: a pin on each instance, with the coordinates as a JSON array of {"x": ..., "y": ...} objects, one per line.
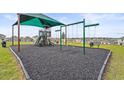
[
  {"x": 9, "y": 69},
  {"x": 115, "y": 66}
]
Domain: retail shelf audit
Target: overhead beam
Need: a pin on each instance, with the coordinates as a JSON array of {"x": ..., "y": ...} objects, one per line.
[
  {"x": 90, "y": 25},
  {"x": 57, "y": 30},
  {"x": 73, "y": 23}
]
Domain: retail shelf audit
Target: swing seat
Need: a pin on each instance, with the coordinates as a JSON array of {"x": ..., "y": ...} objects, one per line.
[{"x": 91, "y": 44}]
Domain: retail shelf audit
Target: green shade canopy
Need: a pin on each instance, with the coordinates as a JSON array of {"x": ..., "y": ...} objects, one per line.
[{"x": 37, "y": 19}]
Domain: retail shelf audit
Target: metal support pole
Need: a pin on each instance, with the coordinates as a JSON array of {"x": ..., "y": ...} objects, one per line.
[
  {"x": 39, "y": 33},
  {"x": 60, "y": 38},
  {"x": 84, "y": 36},
  {"x": 12, "y": 35},
  {"x": 18, "y": 32},
  {"x": 66, "y": 35}
]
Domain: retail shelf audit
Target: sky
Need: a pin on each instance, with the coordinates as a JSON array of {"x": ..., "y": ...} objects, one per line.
[{"x": 111, "y": 24}]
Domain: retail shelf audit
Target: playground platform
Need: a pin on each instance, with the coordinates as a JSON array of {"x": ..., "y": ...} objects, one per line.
[{"x": 51, "y": 63}]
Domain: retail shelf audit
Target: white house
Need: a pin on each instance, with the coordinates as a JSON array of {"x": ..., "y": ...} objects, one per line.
[
  {"x": 2, "y": 36},
  {"x": 121, "y": 41}
]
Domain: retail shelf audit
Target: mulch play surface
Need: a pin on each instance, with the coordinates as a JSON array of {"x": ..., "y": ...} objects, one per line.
[{"x": 49, "y": 63}]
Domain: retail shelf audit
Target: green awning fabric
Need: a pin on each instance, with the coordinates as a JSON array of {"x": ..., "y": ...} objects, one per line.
[{"x": 36, "y": 19}]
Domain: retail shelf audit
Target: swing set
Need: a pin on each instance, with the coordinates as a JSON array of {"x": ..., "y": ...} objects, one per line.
[{"x": 84, "y": 26}]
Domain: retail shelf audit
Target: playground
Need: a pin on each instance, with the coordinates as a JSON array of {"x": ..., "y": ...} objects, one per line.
[{"x": 53, "y": 59}]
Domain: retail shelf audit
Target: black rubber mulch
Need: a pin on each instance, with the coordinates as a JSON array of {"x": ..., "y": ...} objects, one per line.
[{"x": 49, "y": 63}]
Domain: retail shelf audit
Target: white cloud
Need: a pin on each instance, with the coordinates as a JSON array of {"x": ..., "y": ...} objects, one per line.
[
  {"x": 64, "y": 20},
  {"x": 93, "y": 17},
  {"x": 10, "y": 17}
]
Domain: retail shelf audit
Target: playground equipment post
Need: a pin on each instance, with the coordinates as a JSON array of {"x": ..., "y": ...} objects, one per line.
[{"x": 18, "y": 32}]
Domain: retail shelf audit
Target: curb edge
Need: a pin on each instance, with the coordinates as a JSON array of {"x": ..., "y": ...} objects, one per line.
[
  {"x": 103, "y": 67},
  {"x": 21, "y": 64}
]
